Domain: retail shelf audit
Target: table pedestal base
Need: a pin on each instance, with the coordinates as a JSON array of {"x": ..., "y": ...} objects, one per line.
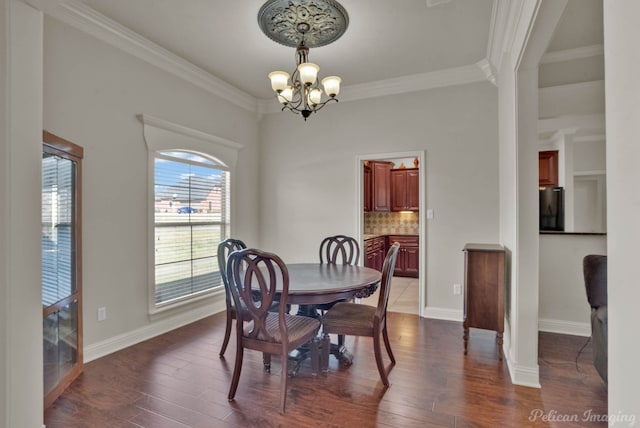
[{"x": 319, "y": 351}]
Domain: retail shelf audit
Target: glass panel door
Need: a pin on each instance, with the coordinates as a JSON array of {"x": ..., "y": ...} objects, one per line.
[{"x": 61, "y": 290}]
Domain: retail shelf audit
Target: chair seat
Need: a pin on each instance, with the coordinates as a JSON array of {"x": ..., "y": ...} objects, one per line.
[
  {"x": 299, "y": 328},
  {"x": 349, "y": 318}
]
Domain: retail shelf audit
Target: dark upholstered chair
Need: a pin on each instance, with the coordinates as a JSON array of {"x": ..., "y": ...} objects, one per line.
[
  {"x": 253, "y": 277},
  {"x": 355, "y": 319},
  {"x": 225, "y": 248},
  {"x": 595, "y": 281}
]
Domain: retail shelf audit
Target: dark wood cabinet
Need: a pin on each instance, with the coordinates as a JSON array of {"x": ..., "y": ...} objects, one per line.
[
  {"x": 367, "y": 187},
  {"x": 405, "y": 189},
  {"x": 408, "y": 261},
  {"x": 548, "y": 168},
  {"x": 375, "y": 252},
  {"x": 380, "y": 186},
  {"x": 484, "y": 285}
]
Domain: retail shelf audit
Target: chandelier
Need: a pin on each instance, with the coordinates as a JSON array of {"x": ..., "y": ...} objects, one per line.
[{"x": 303, "y": 24}]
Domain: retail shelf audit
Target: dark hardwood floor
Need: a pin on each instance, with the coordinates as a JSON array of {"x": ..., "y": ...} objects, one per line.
[{"x": 178, "y": 380}]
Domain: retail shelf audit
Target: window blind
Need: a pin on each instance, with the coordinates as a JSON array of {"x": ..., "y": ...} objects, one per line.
[
  {"x": 58, "y": 241},
  {"x": 191, "y": 206}
]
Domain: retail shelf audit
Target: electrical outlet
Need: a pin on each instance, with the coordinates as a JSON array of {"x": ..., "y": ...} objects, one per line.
[
  {"x": 102, "y": 313},
  {"x": 457, "y": 289}
]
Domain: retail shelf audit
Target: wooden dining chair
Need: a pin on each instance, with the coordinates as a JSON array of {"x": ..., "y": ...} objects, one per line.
[
  {"x": 254, "y": 277},
  {"x": 339, "y": 249},
  {"x": 353, "y": 319},
  {"x": 225, "y": 248}
]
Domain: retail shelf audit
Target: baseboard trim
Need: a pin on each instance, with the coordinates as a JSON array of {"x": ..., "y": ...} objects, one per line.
[
  {"x": 564, "y": 327},
  {"x": 443, "y": 313},
  {"x": 121, "y": 341},
  {"x": 523, "y": 375}
]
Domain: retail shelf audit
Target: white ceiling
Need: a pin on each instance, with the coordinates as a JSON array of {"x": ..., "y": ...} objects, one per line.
[{"x": 386, "y": 39}]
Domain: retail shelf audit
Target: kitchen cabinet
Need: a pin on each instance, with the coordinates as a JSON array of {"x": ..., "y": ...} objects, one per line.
[
  {"x": 484, "y": 285},
  {"x": 375, "y": 252},
  {"x": 405, "y": 189},
  {"x": 367, "y": 187},
  {"x": 380, "y": 186},
  {"x": 548, "y": 168},
  {"x": 408, "y": 261}
]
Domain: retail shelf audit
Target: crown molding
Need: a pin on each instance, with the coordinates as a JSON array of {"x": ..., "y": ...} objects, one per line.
[
  {"x": 86, "y": 19},
  {"x": 571, "y": 54},
  {"x": 43, "y": 5},
  {"x": 412, "y": 83},
  {"x": 511, "y": 25},
  {"x": 489, "y": 71},
  {"x": 496, "y": 34}
]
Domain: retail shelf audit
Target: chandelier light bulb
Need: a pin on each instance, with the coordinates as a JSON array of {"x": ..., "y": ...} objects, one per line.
[
  {"x": 331, "y": 85},
  {"x": 308, "y": 73},
  {"x": 286, "y": 95},
  {"x": 279, "y": 80},
  {"x": 314, "y": 96}
]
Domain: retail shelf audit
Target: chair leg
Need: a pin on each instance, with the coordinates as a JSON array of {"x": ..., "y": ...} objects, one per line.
[
  {"x": 227, "y": 333},
  {"x": 236, "y": 372},
  {"x": 340, "y": 340},
  {"x": 387, "y": 344},
  {"x": 283, "y": 381},
  {"x": 266, "y": 361},
  {"x": 378, "y": 353}
]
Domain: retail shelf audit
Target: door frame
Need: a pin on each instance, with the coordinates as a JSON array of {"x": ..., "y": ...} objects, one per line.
[{"x": 422, "y": 213}]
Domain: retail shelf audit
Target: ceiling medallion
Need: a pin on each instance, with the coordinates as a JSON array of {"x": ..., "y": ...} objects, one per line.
[
  {"x": 303, "y": 24},
  {"x": 319, "y": 22}
]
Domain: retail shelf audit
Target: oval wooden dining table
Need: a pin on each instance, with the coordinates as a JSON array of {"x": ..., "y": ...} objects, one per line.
[{"x": 314, "y": 284}]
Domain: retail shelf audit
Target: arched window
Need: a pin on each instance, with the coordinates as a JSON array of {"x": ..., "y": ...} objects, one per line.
[{"x": 191, "y": 197}]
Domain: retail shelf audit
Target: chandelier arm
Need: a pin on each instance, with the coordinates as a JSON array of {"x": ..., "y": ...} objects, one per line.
[{"x": 322, "y": 104}]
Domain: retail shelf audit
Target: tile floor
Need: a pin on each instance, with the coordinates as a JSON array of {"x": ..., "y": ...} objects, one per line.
[{"x": 402, "y": 298}]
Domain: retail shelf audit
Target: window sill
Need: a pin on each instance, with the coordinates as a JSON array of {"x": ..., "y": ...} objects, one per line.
[{"x": 157, "y": 311}]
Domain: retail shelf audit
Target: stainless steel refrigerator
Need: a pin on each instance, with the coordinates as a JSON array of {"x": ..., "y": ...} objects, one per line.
[{"x": 552, "y": 208}]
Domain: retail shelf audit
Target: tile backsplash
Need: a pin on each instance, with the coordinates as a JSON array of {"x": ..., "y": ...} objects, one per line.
[{"x": 391, "y": 223}]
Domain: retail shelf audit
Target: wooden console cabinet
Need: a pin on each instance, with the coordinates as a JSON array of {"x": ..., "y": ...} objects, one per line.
[{"x": 484, "y": 285}]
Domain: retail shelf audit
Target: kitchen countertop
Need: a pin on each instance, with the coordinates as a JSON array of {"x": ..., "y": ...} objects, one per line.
[{"x": 366, "y": 237}]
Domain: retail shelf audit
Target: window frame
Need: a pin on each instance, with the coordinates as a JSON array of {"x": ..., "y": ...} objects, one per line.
[{"x": 163, "y": 136}]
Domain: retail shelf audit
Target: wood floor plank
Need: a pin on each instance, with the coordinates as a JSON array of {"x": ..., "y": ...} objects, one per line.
[{"x": 178, "y": 380}]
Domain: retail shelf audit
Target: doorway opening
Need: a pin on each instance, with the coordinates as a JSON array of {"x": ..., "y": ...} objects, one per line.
[{"x": 390, "y": 207}]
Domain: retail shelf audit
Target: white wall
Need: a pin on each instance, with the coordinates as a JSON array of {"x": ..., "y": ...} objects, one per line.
[
  {"x": 4, "y": 223},
  {"x": 92, "y": 94},
  {"x": 571, "y": 99},
  {"x": 21, "y": 315},
  {"x": 563, "y": 300},
  {"x": 622, "y": 65},
  {"x": 308, "y": 186}
]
